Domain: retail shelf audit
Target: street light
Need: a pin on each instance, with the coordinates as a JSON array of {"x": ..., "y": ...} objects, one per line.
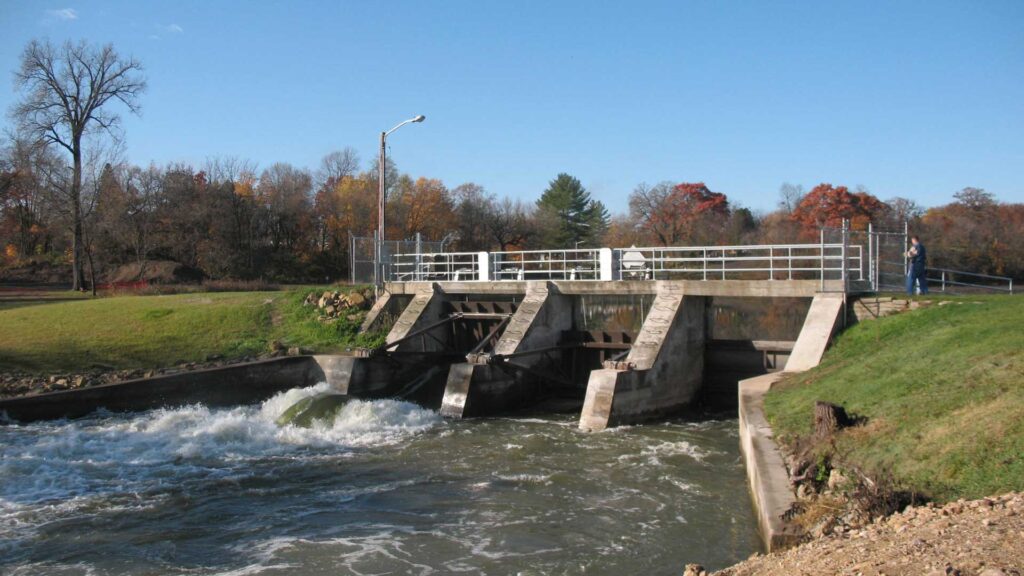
[{"x": 381, "y": 201}]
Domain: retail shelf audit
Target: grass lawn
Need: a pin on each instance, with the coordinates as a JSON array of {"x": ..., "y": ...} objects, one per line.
[
  {"x": 157, "y": 331},
  {"x": 942, "y": 389}
]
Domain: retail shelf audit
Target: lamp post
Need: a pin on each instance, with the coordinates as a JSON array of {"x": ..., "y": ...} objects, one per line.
[{"x": 378, "y": 270}]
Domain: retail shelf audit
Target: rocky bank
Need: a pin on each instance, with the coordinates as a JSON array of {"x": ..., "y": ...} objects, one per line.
[{"x": 963, "y": 538}]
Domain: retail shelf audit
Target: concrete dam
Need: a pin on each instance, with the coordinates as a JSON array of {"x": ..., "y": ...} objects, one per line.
[
  {"x": 473, "y": 348},
  {"x": 619, "y": 335}
]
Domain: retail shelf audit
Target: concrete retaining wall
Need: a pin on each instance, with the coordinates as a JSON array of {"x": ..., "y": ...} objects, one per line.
[
  {"x": 766, "y": 472},
  {"x": 225, "y": 386}
]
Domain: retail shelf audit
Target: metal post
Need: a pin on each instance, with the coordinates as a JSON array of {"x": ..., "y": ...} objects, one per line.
[
  {"x": 789, "y": 262},
  {"x": 871, "y": 260},
  {"x": 381, "y": 204},
  {"x": 906, "y": 247},
  {"x": 843, "y": 275},
  {"x": 419, "y": 256},
  {"x": 376, "y": 260},
  {"x": 821, "y": 249}
]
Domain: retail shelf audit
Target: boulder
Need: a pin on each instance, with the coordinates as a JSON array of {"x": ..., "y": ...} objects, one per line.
[
  {"x": 836, "y": 479},
  {"x": 356, "y": 300}
]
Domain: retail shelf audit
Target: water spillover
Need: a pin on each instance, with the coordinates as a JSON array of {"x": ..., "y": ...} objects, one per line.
[{"x": 383, "y": 487}]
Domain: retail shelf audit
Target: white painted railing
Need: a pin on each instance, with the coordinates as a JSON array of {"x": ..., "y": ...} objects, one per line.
[
  {"x": 749, "y": 262},
  {"x": 439, "y": 267},
  {"x": 578, "y": 264}
]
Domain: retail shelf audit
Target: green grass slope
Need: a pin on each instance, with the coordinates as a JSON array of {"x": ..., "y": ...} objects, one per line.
[
  {"x": 158, "y": 331},
  {"x": 942, "y": 389}
]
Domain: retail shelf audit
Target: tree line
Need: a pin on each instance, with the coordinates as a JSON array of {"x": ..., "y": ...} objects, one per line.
[{"x": 66, "y": 198}]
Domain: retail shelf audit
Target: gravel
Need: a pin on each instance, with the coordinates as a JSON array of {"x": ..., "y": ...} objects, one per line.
[{"x": 963, "y": 538}]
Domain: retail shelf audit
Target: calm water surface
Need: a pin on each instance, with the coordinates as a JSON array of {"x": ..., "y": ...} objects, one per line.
[{"x": 387, "y": 488}]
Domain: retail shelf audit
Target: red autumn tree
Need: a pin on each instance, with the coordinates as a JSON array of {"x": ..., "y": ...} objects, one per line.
[
  {"x": 684, "y": 213},
  {"x": 827, "y": 206}
]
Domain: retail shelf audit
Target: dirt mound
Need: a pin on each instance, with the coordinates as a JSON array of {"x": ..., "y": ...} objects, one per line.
[
  {"x": 980, "y": 537},
  {"x": 155, "y": 272}
]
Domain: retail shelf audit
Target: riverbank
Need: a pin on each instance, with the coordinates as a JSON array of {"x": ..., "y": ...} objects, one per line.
[
  {"x": 922, "y": 408},
  {"x": 52, "y": 344},
  {"x": 934, "y": 400},
  {"x": 965, "y": 538}
]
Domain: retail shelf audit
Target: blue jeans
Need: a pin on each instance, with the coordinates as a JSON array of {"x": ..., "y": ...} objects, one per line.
[{"x": 917, "y": 276}]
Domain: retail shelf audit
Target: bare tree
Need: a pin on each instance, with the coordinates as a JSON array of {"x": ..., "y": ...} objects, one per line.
[
  {"x": 789, "y": 196},
  {"x": 337, "y": 165},
  {"x": 67, "y": 91},
  {"x": 220, "y": 169},
  {"x": 510, "y": 224}
]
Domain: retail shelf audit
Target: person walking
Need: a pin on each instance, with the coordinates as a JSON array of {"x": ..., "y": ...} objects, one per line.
[{"x": 918, "y": 260}]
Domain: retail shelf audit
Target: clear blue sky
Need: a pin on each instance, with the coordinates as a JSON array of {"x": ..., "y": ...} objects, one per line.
[{"x": 916, "y": 99}]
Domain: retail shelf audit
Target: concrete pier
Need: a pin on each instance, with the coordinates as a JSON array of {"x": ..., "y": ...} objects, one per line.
[
  {"x": 662, "y": 372},
  {"x": 503, "y": 379},
  {"x": 821, "y": 323}
]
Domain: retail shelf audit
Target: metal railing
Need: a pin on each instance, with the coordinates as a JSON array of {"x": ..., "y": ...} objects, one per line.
[
  {"x": 749, "y": 262},
  {"x": 577, "y": 264},
  {"x": 953, "y": 280},
  {"x": 437, "y": 266},
  {"x": 957, "y": 281}
]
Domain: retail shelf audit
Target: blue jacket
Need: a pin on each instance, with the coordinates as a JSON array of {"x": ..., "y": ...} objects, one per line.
[{"x": 919, "y": 260}]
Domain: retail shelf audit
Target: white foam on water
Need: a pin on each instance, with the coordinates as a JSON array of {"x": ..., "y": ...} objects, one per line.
[
  {"x": 526, "y": 478},
  {"x": 118, "y": 454}
]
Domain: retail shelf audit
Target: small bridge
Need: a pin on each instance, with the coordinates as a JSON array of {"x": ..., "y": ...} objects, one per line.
[{"x": 478, "y": 333}]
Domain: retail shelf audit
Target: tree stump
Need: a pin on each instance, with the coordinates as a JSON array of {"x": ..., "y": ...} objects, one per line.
[{"x": 828, "y": 418}]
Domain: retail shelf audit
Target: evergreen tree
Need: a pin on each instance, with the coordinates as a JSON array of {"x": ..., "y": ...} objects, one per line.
[{"x": 567, "y": 215}]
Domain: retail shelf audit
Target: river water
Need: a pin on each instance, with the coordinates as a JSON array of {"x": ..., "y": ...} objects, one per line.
[{"x": 386, "y": 488}]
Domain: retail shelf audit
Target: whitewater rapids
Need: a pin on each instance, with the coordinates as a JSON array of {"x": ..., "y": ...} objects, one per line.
[{"x": 384, "y": 487}]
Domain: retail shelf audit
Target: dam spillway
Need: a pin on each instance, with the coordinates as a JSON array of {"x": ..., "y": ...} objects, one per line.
[{"x": 486, "y": 348}]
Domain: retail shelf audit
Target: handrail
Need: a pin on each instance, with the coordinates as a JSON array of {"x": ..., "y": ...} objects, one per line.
[
  {"x": 769, "y": 261},
  {"x": 947, "y": 278}
]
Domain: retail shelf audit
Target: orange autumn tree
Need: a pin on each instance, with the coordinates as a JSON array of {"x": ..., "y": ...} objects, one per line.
[
  {"x": 827, "y": 206},
  {"x": 426, "y": 208}
]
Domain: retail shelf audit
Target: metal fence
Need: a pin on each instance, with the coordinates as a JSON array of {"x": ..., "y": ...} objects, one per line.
[
  {"x": 890, "y": 266},
  {"x": 363, "y": 255}
]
